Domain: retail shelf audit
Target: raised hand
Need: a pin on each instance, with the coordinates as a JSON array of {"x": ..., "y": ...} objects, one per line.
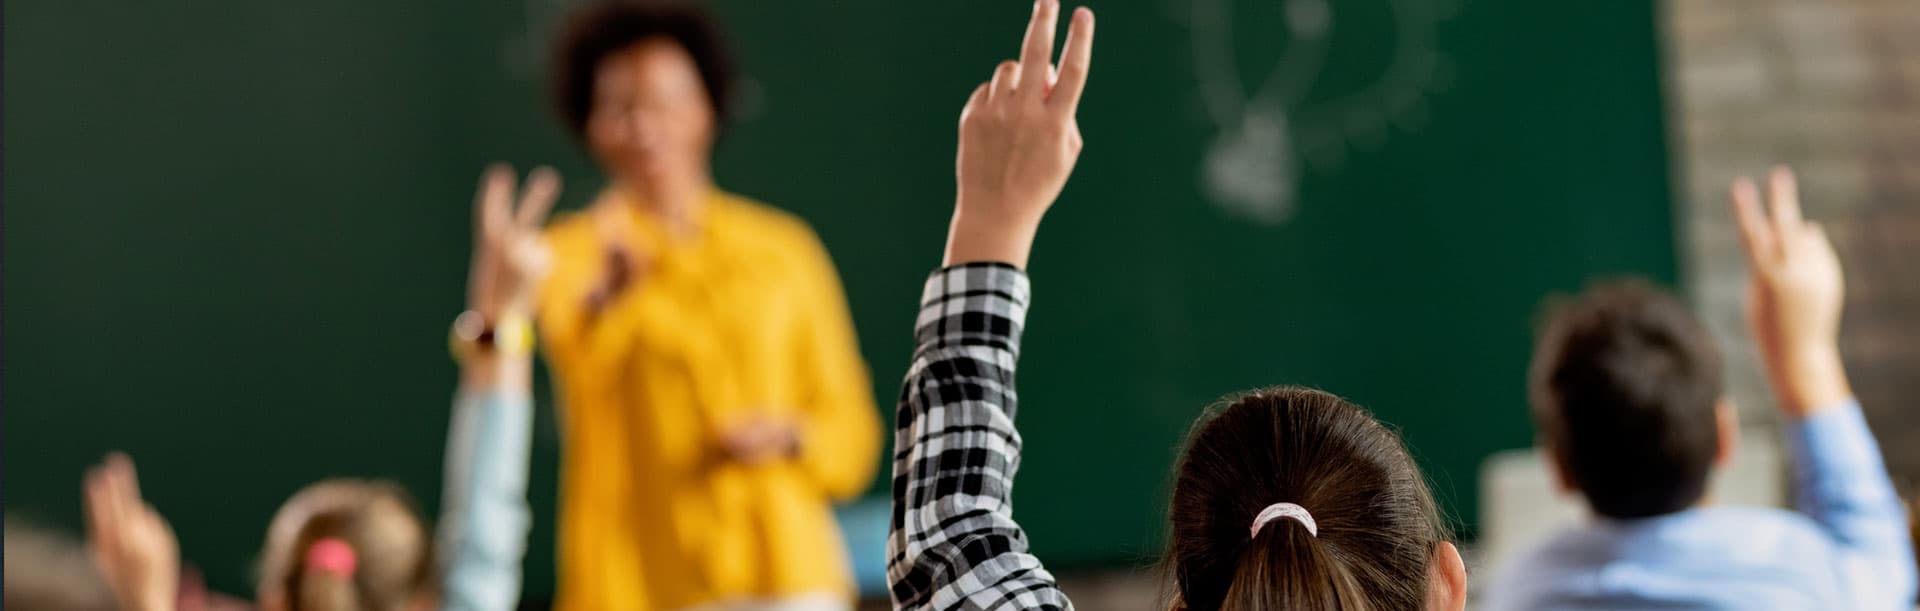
[
  {"x": 510, "y": 259},
  {"x": 1019, "y": 141},
  {"x": 131, "y": 544},
  {"x": 1795, "y": 296}
]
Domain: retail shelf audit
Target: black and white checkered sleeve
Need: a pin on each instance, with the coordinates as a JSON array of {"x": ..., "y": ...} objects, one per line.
[{"x": 954, "y": 544}]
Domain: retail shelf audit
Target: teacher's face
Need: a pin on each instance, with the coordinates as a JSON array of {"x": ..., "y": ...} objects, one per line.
[{"x": 652, "y": 124}]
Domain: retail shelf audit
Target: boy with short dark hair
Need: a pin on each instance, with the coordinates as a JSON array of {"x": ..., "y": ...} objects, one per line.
[{"x": 1628, "y": 400}]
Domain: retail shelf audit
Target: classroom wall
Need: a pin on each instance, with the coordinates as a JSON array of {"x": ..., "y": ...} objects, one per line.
[{"x": 1832, "y": 88}]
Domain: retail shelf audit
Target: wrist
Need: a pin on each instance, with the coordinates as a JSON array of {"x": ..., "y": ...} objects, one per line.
[
  {"x": 972, "y": 239},
  {"x": 496, "y": 372},
  {"x": 494, "y": 352},
  {"x": 1808, "y": 379}
]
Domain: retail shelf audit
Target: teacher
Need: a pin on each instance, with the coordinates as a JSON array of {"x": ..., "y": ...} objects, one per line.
[{"x": 714, "y": 401}]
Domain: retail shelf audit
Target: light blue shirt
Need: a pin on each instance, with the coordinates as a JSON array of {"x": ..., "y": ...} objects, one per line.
[
  {"x": 1845, "y": 546},
  {"x": 484, "y": 515}
]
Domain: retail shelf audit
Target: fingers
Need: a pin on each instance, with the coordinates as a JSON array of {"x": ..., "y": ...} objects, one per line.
[
  {"x": 975, "y": 101},
  {"x": 1005, "y": 78},
  {"x": 1756, "y": 232},
  {"x": 493, "y": 202},
  {"x": 1783, "y": 194},
  {"x": 1817, "y": 240},
  {"x": 1037, "y": 50},
  {"x": 126, "y": 478},
  {"x": 543, "y": 187},
  {"x": 1075, "y": 62},
  {"x": 99, "y": 509}
]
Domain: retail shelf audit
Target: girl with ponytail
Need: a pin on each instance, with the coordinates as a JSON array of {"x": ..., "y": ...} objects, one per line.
[{"x": 1286, "y": 498}]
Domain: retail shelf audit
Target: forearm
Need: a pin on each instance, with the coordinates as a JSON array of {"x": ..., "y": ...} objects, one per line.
[
  {"x": 954, "y": 543},
  {"x": 838, "y": 443},
  {"x": 497, "y": 373},
  {"x": 1842, "y": 484},
  {"x": 1808, "y": 379},
  {"x": 485, "y": 517}
]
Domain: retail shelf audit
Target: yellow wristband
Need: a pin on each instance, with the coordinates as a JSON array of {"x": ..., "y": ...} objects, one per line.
[{"x": 472, "y": 335}]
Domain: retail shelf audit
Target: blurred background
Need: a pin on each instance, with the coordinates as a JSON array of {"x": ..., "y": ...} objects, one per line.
[{"x": 235, "y": 232}]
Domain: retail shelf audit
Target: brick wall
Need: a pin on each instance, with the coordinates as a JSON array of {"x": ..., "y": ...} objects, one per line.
[{"x": 1831, "y": 87}]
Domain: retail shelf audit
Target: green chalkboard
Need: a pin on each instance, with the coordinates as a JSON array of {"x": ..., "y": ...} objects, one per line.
[{"x": 235, "y": 232}]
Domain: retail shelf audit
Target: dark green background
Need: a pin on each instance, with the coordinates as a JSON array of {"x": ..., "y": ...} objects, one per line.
[{"x": 235, "y": 233}]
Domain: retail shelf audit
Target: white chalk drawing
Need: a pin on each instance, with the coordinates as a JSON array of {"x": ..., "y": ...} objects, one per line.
[{"x": 1267, "y": 137}]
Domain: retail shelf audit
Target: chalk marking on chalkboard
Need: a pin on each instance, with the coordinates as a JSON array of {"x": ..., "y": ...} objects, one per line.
[{"x": 1253, "y": 167}]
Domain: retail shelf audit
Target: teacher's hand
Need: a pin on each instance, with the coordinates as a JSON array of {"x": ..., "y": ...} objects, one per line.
[{"x": 760, "y": 440}]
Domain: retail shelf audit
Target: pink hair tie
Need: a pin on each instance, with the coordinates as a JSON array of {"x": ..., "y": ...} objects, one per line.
[
  {"x": 331, "y": 555},
  {"x": 1284, "y": 510}
]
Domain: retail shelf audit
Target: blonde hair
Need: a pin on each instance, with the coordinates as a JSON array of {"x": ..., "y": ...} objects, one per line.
[{"x": 391, "y": 566}]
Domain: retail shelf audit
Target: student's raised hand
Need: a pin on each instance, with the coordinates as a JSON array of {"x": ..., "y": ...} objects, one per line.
[
  {"x": 510, "y": 258},
  {"x": 1795, "y": 297},
  {"x": 133, "y": 547},
  {"x": 1019, "y": 141}
]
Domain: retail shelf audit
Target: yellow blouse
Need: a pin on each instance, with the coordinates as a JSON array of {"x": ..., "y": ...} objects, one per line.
[{"x": 744, "y": 318}]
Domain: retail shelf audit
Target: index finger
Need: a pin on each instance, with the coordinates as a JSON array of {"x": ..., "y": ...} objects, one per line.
[
  {"x": 1037, "y": 52},
  {"x": 493, "y": 202},
  {"x": 1075, "y": 62},
  {"x": 125, "y": 476},
  {"x": 98, "y": 509},
  {"x": 543, "y": 187},
  {"x": 1755, "y": 233},
  {"x": 1783, "y": 193}
]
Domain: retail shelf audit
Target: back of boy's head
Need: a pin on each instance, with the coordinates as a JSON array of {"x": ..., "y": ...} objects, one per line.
[
  {"x": 1624, "y": 384},
  {"x": 1378, "y": 526},
  {"x": 347, "y": 545}
]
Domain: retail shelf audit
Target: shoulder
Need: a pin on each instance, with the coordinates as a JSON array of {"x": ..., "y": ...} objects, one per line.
[
  {"x": 1566, "y": 549},
  {"x": 754, "y": 225},
  {"x": 1715, "y": 536},
  {"x": 753, "y": 217},
  {"x": 569, "y": 229}
]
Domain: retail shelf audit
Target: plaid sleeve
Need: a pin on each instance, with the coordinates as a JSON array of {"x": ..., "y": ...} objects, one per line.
[{"x": 953, "y": 543}]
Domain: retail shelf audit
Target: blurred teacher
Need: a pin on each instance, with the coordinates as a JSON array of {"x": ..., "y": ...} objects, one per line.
[{"x": 714, "y": 399}]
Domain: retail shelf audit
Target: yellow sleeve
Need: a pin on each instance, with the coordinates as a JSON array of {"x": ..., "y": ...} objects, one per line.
[{"x": 840, "y": 426}]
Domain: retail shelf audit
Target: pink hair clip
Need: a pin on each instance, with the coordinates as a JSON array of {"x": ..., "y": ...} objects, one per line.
[{"x": 332, "y": 555}]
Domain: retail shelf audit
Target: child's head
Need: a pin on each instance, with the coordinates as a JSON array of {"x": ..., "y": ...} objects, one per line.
[
  {"x": 347, "y": 545},
  {"x": 1626, "y": 393},
  {"x": 1380, "y": 544}
]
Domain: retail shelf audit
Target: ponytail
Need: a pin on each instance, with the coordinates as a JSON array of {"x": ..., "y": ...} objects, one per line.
[
  {"x": 1285, "y": 567},
  {"x": 326, "y": 580},
  {"x": 1292, "y": 498}
]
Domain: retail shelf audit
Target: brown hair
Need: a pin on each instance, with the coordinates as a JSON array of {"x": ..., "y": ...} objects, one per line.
[
  {"x": 1623, "y": 384},
  {"x": 1378, "y": 523},
  {"x": 393, "y": 563}
]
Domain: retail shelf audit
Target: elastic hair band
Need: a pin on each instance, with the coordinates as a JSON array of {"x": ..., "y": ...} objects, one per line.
[
  {"x": 331, "y": 555},
  {"x": 1284, "y": 510}
]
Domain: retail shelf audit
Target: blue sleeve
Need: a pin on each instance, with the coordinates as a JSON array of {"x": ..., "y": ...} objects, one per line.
[
  {"x": 1842, "y": 484},
  {"x": 484, "y": 515}
]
